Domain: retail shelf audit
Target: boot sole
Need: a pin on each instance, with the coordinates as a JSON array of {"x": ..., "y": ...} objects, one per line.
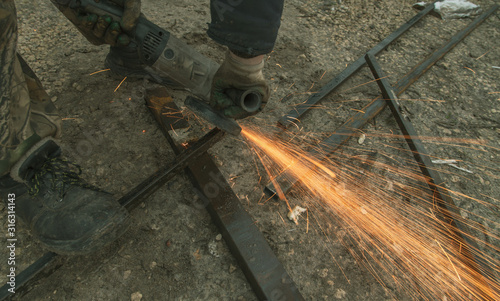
[{"x": 99, "y": 239}]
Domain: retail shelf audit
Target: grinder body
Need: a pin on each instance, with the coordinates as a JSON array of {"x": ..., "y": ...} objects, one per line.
[
  {"x": 171, "y": 60},
  {"x": 168, "y": 56}
]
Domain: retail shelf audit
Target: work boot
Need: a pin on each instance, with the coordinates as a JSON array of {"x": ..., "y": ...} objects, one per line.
[
  {"x": 125, "y": 61},
  {"x": 65, "y": 214}
]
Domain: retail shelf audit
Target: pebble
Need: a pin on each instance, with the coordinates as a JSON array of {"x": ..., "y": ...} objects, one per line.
[
  {"x": 78, "y": 87},
  {"x": 136, "y": 296},
  {"x": 340, "y": 294},
  {"x": 218, "y": 237},
  {"x": 126, "y": 274},
  {"x": 153, "y": 265},
  {"x": 232, "y": 268},
  {"x": 361, "y": 139}
]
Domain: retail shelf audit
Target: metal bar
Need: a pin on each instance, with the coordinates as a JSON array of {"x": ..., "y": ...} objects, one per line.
[
  {"x": 156, "y": 180},
  {"x": 41, "y": 268},
  {"x": 292, "y": 116},
  {"x": 352, "y": 126},
  {"x": 266, "y": 275},
  {"x": 420, "y": 69},
  {"x": 450, "y": 211}
]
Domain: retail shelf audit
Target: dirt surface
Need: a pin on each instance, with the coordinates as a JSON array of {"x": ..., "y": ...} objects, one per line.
[{"x": 173, "y": 251}]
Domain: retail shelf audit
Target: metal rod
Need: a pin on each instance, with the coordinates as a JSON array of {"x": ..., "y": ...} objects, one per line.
[
  {"x": 156, "y": 180},
  {"x": 41, "y": 268},
  {"x": 358, "y": 121},
  {"x": 420, "y": 69},
  {"x": 450, "y": 211},
  {"x": 266, "y": 275},
  {"x": 292, "y": 116}
]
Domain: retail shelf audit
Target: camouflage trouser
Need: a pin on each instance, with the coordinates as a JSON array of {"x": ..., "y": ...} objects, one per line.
[{"x": 26, "y": 113}]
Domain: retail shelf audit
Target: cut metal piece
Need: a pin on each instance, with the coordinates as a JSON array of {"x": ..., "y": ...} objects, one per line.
[
  {"x": 266, "y": 275},
  {"x": 209, "y": 114},
  {"x": 169, "y": 111},
  {"x": 358, "y": 121},
  {"x": 450, "y": 211},
  {"x": 294, "y": 114}
]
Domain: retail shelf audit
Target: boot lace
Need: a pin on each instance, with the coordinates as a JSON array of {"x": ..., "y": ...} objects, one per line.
[{"x": 63, "y": 173}]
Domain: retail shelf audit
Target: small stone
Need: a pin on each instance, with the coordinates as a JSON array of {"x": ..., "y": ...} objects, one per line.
[
  {"x": 137, "y": 296},
  {"x": 78, "y": 87},
  {"x": 302, "y": 56},
  {"x": 361, "y": 139},
  {"x": 218, "y": 237},
  {"x": 126, "y": 274},
  {"x": 323, "y": 273},
  {"x": 340, "y": 294},
  {"x": 153, "y": 265},
  {"x": 232, "y": 268}
]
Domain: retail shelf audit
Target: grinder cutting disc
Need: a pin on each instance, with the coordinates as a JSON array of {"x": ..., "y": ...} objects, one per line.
[{"x": 209, "y": 114}]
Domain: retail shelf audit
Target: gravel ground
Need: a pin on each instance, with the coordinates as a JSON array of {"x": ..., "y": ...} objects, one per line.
[{"x": 173, "y": 251}]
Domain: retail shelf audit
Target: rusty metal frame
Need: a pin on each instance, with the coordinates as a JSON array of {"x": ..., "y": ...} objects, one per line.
[{"x": 264, "y": 283}]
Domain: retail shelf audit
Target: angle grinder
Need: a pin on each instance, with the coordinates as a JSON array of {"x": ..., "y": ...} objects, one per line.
[{"x": 172, "y": 59}]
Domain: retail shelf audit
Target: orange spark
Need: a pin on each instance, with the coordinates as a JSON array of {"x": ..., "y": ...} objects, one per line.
[
  {"x": 470, "y": 69},
  {"x": 99, "y": 71},
  {"x": 396, "y": 240},
  {"x": 120, "y": 83}
]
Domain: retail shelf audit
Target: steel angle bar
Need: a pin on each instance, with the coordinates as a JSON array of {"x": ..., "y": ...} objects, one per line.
[
  {"x": 292, "y": 116},
  {"x": 450, "y": 211},
  {"x": 183, "y": 159},
  {"x": 25, "y": 280},
  {"x": 359, "y": 120},
  {"x": 264, "y": 272},
  {"x": 421, "y": 68}
]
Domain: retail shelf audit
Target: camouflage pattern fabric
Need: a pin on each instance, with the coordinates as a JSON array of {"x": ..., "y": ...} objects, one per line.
[{"x": 26, "y": 113}]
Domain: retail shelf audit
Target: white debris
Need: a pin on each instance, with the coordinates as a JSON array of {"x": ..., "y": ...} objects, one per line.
[
  {"x": 137, "y": 296},
  {"x": 451, "y": 163},
  {"x": 212, "y": 248},
  {"x": 361, "y": 138},
  {"x": 453, "y": 9},
  {"x": 295, "y": 213}
]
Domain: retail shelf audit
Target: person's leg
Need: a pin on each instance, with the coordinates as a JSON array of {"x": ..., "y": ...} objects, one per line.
[
  {"x": 45, "y": 191},
  {"x": 16, "y": 133}
]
